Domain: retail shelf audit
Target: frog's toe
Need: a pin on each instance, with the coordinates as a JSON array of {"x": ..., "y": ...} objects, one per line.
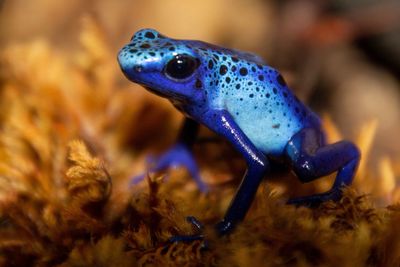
[
  {"x": 196, "y": 223},
  {"x": 316, "y": 200},
  {"x": 204, "y": 245},
  {"x": 189, "y": 238},
  {"x": 153, "y": 166},
  {"x": 137, "y": 179},
  {"x": 185, "y": 238}
]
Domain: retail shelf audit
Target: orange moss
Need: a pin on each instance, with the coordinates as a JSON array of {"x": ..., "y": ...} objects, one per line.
[{"x": 61, "y": 205}]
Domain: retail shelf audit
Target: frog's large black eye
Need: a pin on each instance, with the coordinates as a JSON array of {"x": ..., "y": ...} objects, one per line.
[{"x": 181, "y": 66}]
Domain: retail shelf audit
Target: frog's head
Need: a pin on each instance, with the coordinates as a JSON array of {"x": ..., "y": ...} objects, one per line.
[{"x": 167, "y": 67}]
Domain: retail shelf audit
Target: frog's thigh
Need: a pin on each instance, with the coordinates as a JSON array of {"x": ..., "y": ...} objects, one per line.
[{"x": 311, "y": 158}]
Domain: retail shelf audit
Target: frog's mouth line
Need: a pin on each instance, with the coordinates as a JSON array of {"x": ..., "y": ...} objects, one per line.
[
  {"x": 155, "y": 91},
  {"x": 169, "y": 96}
]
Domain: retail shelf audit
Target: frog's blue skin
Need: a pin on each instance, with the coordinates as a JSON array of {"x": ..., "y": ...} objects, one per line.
[{"x": 239, "y": 97}]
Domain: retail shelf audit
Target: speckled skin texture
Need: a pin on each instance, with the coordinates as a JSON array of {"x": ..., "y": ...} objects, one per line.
[
  {"x": 227, "y": 79},
  {"x": 239, "y": 97}
]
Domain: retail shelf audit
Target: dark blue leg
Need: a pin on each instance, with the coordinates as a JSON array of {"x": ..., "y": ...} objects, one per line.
[
  {"x": 223, "y": 124},
  {"x": 179, "y": 155},
  {"x": 311, "y": 159}
]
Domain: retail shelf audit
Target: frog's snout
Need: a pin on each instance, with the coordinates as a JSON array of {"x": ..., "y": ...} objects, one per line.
[
  {"x": 128, "y": 61},
  {"x": 123, "y": 59}
]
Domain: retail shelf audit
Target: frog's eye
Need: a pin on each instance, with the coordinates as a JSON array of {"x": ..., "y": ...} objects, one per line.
[{"x": 181, "y": 67}]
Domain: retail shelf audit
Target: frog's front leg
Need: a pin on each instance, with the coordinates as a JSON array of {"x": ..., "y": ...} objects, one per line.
[
  {"x": 180, "y": 154},
  {"x": 311, "y": 159},
  {"x": 223, "y": 124}
]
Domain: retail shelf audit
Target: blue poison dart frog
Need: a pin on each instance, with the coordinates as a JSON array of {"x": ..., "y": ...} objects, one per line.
[{"x": 239, "y": 97}]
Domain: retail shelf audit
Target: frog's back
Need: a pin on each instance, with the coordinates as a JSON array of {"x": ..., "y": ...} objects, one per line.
[{"x": 258, "y": 98}]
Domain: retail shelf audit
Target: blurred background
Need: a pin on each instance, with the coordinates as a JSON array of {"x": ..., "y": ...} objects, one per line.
[
  {"x": 74, "y": 131},
  {"x": 341, "y": 57}
]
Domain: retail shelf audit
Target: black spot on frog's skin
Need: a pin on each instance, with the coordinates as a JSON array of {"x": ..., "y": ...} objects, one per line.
[
  {"x": 145, "y": 45},
  {"x": 260, "y": 67},
  {"x": 198, "y": 84},
  {"x": 251, "y": 95},
  {"x": 280, "y": 80},
  {"x": 275, "y": 91},
  {"x": 223, "y": 70},
  {"x": 237, "y": 86},
  {"x": 285, "y": 94},
  {"x": 152, "y": 54},
  {"x": 235, "y": 59},
  {"x": 210, "y": 64},
  {"x": 253, "y": 69},
  {"x": 132, "y": 50},
  {"x": 261, "y": 77},
  {"x": 243, "y": 71},
  {"x": 228, "y": 80},
  {"x": 276, "y": 126},
  {"x": 150, "y": 35},
  {"x": 171, "y": 48},
  {"x": 233, "y": 68},
  {"x": 267, "y": 95}
]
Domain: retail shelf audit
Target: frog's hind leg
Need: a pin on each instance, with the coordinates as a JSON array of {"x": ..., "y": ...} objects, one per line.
[{"x": 311, "y": 158}]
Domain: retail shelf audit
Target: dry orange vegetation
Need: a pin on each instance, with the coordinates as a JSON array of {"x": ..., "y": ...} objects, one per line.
[{"x": 67, "y": 128}]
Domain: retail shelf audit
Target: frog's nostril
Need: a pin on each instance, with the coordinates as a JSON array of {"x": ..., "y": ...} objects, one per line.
[{"x": 138, "y": 68}]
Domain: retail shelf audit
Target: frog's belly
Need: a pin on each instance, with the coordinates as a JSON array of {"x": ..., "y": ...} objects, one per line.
[{"x": 268, "y": 132}]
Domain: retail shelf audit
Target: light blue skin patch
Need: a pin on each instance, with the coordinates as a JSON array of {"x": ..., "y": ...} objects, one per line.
[{"x": 259, "y": 101}]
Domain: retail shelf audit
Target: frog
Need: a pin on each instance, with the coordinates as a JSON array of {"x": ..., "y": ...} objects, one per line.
[{"x": 245, "y": 101}]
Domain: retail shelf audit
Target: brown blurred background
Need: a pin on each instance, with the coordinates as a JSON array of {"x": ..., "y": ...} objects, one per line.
[{"x": 342, "y": 57}]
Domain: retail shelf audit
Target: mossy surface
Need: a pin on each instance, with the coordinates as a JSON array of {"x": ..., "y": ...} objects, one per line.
[{"x": 72, "y": 136}]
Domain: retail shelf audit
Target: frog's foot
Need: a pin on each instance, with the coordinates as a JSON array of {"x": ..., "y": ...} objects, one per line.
[
  {"x": 177, "y": 156},
  {"x": 311, "y": 159},
  {"x": 186, "y": 238},
  {"x": 314, "y": 201},
  {"x": 190, "y": 238}
]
